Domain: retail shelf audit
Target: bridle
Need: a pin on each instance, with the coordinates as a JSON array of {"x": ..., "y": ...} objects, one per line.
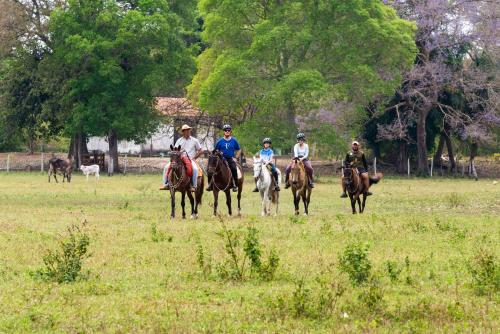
[
  {"x": 173, "y": 172},
  {"x": 350, "y": 184},
  {"x": 214, "y": 171}
]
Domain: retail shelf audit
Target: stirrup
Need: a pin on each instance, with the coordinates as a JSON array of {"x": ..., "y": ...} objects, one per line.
[
  {"x": 311, "y": 184},
  {"x": 277, "y": 188},
  {"x": 210, "y": 187},
  {"x": 287, "y": 185},
  {"x": 235, "y": 188}
]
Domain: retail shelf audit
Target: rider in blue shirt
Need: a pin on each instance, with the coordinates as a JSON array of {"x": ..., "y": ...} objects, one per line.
[
  {"x": 230, "y": 148},
  {"x": 266, "y": 157}
]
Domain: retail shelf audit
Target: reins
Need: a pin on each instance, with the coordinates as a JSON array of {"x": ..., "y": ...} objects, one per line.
[{"x": 215, "y": 173}]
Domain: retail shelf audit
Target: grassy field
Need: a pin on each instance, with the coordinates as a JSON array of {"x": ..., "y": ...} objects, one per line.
[{"x": 432, "y": 263}]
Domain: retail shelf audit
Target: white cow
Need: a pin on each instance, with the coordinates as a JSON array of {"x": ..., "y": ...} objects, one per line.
[{"x": 92, "y": 169}]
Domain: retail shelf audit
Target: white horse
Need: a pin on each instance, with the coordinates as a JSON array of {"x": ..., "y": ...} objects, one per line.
[{"x": 265, "y": 186}]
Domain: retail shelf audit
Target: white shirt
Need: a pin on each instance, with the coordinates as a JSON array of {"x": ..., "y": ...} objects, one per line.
[
  {"x": 190, "y": 145},
  {"x": 301, "y": 151}
]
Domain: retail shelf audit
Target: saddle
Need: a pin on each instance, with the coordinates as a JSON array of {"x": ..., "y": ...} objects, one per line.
[{"x": 200, "y": 170}]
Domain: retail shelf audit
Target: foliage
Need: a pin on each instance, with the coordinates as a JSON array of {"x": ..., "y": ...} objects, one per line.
[
  {"x": 355, "y": 263},
  {"x": 158, "y": 236},
  {"x": 485, "y": 272},
  {"x": 64, "y": 265},
  {"x": 283, "y": 59}
]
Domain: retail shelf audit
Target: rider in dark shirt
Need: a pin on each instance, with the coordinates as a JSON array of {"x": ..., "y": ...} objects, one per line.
[{"x": 356, "y": 159}]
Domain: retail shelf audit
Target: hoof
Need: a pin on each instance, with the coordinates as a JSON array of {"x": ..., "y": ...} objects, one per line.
[
  {"x": 194, "y": 217},
  {"x": 306, "y": 214}
]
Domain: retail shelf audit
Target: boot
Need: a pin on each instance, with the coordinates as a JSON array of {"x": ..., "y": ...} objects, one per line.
[
  {"x": 287, "y": 183},
  {"x": 311, "y": 182},
  {"x": 277, "y": 187},
  {"x": 210, "y": 187},
  {"x": 256, "y": 190},
  {"x": 344, "y": 195},
  {"x": 235, "y": 187},
  {"x": 165, "y": 187}
]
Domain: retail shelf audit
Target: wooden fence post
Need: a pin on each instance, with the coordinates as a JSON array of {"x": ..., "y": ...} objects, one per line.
[
  {"x": 463, "y": 170},
  {"x": 432, "y": 165},
  {"x": 8, "y": 162},
  {"x": 342, "y": 166},
  {"x": 41, "y": 163},
  {"x": 125, "y": 165},
  {"x": 375, "y": 165},
  {"x": 140, "y": 163},
  {"x": 408, "y": 167}
]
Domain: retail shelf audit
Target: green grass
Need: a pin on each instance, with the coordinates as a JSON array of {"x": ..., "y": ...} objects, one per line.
[{"x": 144, "y": 281}]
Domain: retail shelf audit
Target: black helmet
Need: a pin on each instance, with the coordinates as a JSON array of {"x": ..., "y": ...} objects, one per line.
[
  {"x": 267, "y": 140},
  {"x": 301, "y": 136},
  {"x": 226, "y": 127}
]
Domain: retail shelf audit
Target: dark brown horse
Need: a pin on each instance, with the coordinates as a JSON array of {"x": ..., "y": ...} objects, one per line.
[
  {"x": 179, "y": 180},
  {"x": 65, "y": 167},
  {"x": 222, "y": 180},
  {"x": 300, "y": 185},
  {"x": 355, "y": 187}
]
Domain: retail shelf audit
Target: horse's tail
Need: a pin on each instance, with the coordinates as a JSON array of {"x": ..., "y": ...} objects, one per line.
[
  {"x": 375, "y": 179},
  {"x": 199, "y": 192}
]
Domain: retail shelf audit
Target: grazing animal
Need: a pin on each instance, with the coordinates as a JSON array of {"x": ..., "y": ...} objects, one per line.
[
  {"x": 220, "y": 174},
  {"x": 62, "y": 166},
  {"x": 180, "y": 181},
  {"x": 92, "y": 169},
  {"x": 355, "y": 187},
  {"x": 300, "y": 185},
  {"x": 265, "y": 184}
]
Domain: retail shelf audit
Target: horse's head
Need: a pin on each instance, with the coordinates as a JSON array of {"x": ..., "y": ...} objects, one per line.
[
  {"x": 175, "y": 157},
  {"x": 350, "y": 174},
  {"x": 257, "y": 167},
  {"x": 213, "y": 161},
  {"x": 296, "y": 171}
]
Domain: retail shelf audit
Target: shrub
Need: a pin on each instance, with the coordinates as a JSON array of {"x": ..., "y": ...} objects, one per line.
[
  {"x": 64, "y": 265},
  {"x": 157, "y": 235},
  {"x": 485, "y": 272},
  {"x": 454, "y": 200},
  {"x": 372, "y": 295},
  {"x": 355, "y": 263},
  {"x": 392, "y": 270}
]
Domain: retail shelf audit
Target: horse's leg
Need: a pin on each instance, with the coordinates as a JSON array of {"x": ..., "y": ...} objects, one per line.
[
  {"x": 364, "y": 202},
  {"x": 183, "y": 204},
  {"x": 216, "y": 200},
  {"x": 359, "y": 204},
  {"x": 192, "y": 201},
  {"x": 55, "y": 176},
  {"x": 263, "y": 202},
  {"x": 353, "y": 204},
  {"x": 172, "y": 204},
  {"x": 296, "y": 200},
  {"x": 304, "y": 200},
  {"x": 228, "y": 202},
  {"x": 240, "y": 189}
]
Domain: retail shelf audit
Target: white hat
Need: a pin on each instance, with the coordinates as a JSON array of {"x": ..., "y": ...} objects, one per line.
[
  {"x": 186, "y": 127},
  {"x": 355, "y": 142}
]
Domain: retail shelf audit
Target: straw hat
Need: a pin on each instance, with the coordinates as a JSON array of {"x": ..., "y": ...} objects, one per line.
[
  {"x": 355, "y": 142},
  {"x": 186, "y": 127}
]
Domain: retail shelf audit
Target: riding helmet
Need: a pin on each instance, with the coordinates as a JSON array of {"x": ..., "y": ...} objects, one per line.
[
  {"x": 226, "y": 127},
  {"x": 301, "y": 136},
  {"x": 267, "y": 140}
]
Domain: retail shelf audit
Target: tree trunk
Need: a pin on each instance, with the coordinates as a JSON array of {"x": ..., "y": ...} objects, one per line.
[
  {"x": 451, "y": 156},
  {"x": 422, "y": 168},
  {"x": 402, "y": 160},
  {"x": 78, "y": 148},
  {"x": 439, "y": 150},
  {"x": 113, "y": 150}
]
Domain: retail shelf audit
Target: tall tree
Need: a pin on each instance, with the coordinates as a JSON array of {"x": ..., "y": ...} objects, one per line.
[
  {"x": 115, "y": 56},
  {"x": 286, "y": 57}
]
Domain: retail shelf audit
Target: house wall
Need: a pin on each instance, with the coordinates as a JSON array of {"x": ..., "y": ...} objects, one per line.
[{"x": 159, "y": 142}]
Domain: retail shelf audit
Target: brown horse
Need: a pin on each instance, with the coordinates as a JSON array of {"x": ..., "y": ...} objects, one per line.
[
  {"x": 179, "y": 180},
  {"x": 300, "y": 185},
  {"x": 355, "y": 187},
  {"x": 222, "y": 180},
  {"x": 65, "y": 167}
]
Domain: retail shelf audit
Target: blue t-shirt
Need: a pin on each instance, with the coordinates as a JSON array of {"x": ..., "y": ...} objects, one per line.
[
  {"x": 266, "y": 154},
  {"x": 227, "y": 147}
]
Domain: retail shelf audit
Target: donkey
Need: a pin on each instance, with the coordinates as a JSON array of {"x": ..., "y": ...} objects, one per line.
[
  {"x": 355, "y": 187},
  {"x": 220, "y": 175},
  {"x": 63, "y": 166},
  {"x": 300, "y": 186},
  {"x": 265, "y": 184},
  {"x": 179, "y": 180}
]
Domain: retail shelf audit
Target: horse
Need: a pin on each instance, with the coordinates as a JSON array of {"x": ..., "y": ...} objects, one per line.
[
  {"x": 355, "y": 186},
  {"x": 300, "y": 186},
  {"x": 265, "y": 184},
  {"x": 179, "y": 180},
  {"x": 63, "y": 166},
  {"x": 222, "y": 180}
]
